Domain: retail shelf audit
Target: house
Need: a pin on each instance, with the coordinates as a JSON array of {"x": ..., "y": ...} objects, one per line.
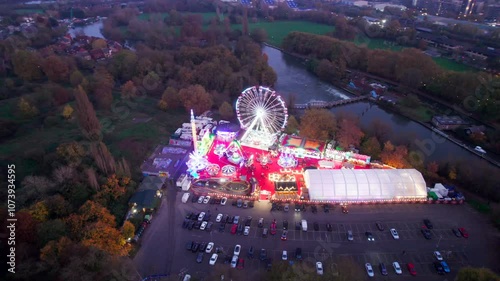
[
  {"x": 475, "y": 130},
  {"x": 97, "y": 54},
  {"x": 448, "y": 122}
]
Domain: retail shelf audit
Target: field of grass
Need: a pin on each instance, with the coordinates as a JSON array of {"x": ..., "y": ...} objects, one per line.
[
  {"x": 377, "y": 43},
  {"x": 453, "y": 65},
  {"x": 278, "y": 30},
  {"x": 28, "y": 11}
]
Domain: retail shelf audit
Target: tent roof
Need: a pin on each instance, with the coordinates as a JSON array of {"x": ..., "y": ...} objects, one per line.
[
  {"x": 365, "y": 184},
  {"x": 145, "y": 199},
  {"x": 152, "y": 182}
]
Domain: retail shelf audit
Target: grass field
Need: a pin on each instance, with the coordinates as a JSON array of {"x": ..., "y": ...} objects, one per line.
[
  {"x": 377, "y": 43},
  {"x": 453, "y": 65},
  {"x": 278, "y": 30}
]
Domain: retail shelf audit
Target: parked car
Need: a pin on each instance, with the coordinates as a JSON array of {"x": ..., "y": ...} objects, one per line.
[
  {"x": 264, "y": 232},
  {"x": 273, "y": 227},
  {"x": 229, "y": 219},
  {"x": 194, "y": 199},
  {"x": 219, "y": 218},
  {"x": 199, "y": 258},
  {"x": 464, "y": 232},
  {"x": 397, "y": 268},
  {"x": 239, "y": 203},
  {"x": 263, "y": 254},
  {"x": 185, "y": 223},
  {"x": 426, "y": 233},
  {"x": 234, "y": 261},
  {"x": 236, "y": 219},
  {"x": 206, "y": 200},
  {"x": 382, "y": 268},
  {"x": 283, "y": 235},
  {"x": 446, "y": 268},
  {"x": 316, "y": 226},
  {"x": 298, "y": 253},
  {"x": 456, "y": 232},
  {"x": 222, "y": 227},
  {"x": 188, "y": 216},
  {"x": 284, "y": 255},
  {"x": 438, "y": 256},
  {"x": 439, "y": 267},
  {"x": 223, "y": 201},
  {"x": 213, "y": 259},
  {"x": 200, "y": 199},
  {"x": 380, "y": 226},
  {"x": 319, "y": 268},
  {"x": 345, "y": 210},
  {"x": 369, "y": 269},
  {"x": 394, "y": 233},
  {"x": 326, "y": 208},
  {"x": 234, "y": 228},
  {"x": 241, "y": 263},
  {"x": 269, "y": 263},
  {"x": 314, "y": 209},
  {"x": 203, "y": 225},
  {"x": 246, "y": 231},
  {"x": 189, "y": 245},
  {"x": 245, "y": 204},
  {"x": 369, "y": 236},
  {"x": 350, "y": 237},
  {"x": 190, "y": 225},
  {"x": 286, "y": 208},
  {"x": 261, "y": 222},
  {"x": 197, "y": 224},
  {"x": 237, "y": 250},
  {"x": 201, "y": 216},
  {"x": 329, "y": 227},
  {"x": 195, "y": 248},
  {"x": 428, "y": 224},
  {"x": 285, "y": 224},
  {"x": 209, "y": 226},
  {"x": 203, "y": 246},
  {"x": 209, "y": 248},
  {"x": 250, "y": 252},
  {"x": 411, "y": 269},
  {"x": 298, "y": 226}
]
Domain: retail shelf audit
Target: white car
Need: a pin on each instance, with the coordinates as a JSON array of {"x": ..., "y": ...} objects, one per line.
[
  {"x": 350, "y": 237},
  {"x": 234, "y": 261},
  {"x": 201, "y": 216},
  {"x": 479, "y": 149},
  {"x": 438, "y": 256},
  {"x": 223, "y": 201},
  {"x": 206, "y": 200},
  {"x": 219, "y": 218},
  {"x": 397, "y": 268},
  {"x": 319, "y": 268},
  {"x": 237, "y": 250},
  {"x": 213, "y": 259},
  {"x": 394, "y": 233},
  {"x": 200, "y": 200},
  {"x": 203, "y": 225},
  {"x": 284, "y": 256},
  {"x": 247, "y": 230},
  {"x": 369, "y": 269},
  {"x": 210, "y": 247}
]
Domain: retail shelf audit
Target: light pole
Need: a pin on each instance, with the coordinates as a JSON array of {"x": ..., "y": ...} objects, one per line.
[{"x": 440, "y": 237}]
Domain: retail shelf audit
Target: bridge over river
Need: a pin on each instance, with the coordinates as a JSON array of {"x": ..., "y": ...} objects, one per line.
[{"x": 324, "y": 104}]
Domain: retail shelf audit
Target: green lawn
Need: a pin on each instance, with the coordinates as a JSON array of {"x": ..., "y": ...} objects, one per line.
[
  {"x": 377, "y": 43},
  {"x": 28, "y": 11},
  {"x": 278, "y": 30},
  {"x": 453, "y": 65}
]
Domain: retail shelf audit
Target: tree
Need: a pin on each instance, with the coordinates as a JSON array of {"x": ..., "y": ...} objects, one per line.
[
  {"x": 51, "y": 230},
  {"x": 318, "y": 124},
  {"x": 86, "y": 115},
  {"x": 39, "y": 211},
  {"x": 259, "y": 35},
  {"x": 452, "y": 173},
  {"x": 58, "y": 206},
  {"x": 128, "y": 90},
  {"x": 76, "y": 78},
  {"x": 433, "y": 168},
  {"x": 476, "y": 274},
  {"x": 67, "y": 112},
  {"x": 72, "y": 153},
  {"x": 103, "y": 158},
  {"x": 371, "y": 147},
  {"x": 99, "y": 44},
  {"x": 195, "y": 97},
  {"x": 123, "y": 65},
  {"x": 226, "y": 110},
  {"x": 27, "y": 65},
  {"x": 292, "y": 126},
  {"x": 56, "y": 69},
  {"x": 171, "y": 97},
  {"x": 37, "y": 187},
  {"x": 162, "y": 105},
  {"x": 27, "y": 110},
  {"x": 349, "y": 133},
  {"x": 25, "y": 227},
  {"x": 128, "y": 230},
  {"x": 111, "y": 190},
  {"x": 105, "y": 238},
  {"x": 245, "y": 22}
]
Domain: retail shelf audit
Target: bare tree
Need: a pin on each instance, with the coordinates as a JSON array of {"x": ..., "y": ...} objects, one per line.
[{"x": 63, "y": 174}]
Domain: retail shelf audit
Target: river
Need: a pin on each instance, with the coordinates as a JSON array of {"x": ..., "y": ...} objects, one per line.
[{"x": 293, "y": 78}]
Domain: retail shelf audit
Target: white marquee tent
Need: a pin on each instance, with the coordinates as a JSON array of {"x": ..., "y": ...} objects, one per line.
[{"x": 365, "y": 185}]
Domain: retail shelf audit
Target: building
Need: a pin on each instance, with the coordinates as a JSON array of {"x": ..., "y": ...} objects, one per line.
[
  {"x": 447, "y": 122},
  {"x": 365, "y": 185}
]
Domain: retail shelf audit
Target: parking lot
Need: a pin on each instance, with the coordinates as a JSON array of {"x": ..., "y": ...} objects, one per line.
[{"x": 322, "y": 245}]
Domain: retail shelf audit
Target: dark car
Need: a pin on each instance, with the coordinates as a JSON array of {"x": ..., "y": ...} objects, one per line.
[
  {"x": 383, "y": 269},
  {"x": 298, "y": 226},
  {"x": 285, "y": 224},
  {"x": 195, "y": 247},
  {"x": 194, "y": 199},
  {"x": 316, "y": 226},
  {"x": 380, "y": 226},
  {"x": 239, "y": 203},
  {"x": 269, "y": 263},
  {"x": 369, "y": 236},
  {"x": 199, "y": 259},
  {"x": 250, "y": 204},
  {"x": 185, "y": 223},
  {"x": 326, "y": 208},
  {"x": 222, "y": 226},
  {"x": 298, "y": 253},
  {"x": 209, "y": 226},
  {"x": 427, "y": 233},
  {"x": 283, "y": 235},
  {"x": 456, "y": 232},
  {"x": 207, "y": 216},
  {"x": 217, "y": 201},
  {"x": 189, "y": 245},
  {"x": 329, "y": 227},
  {"x": 227, "y": 259},
  {"x": 464, "y": 232},
  {"x": 428, "y": 224},
  {"x": 439, "y": 267},
  {"x": 188, "y": 216},
  {"x": 229, "y": 219},
  {"x": 314, "y": 209},
  {"x": 212, "y": 201},
  {"x": 190, "y": 225},
  {"x": 197, "y": 224},
  {"x": 203, "y": 246},
  {"x": 263, "y": 254},
  {"x": 240, "y": 229},
  {"x": 345, "y": 210},
  {"x": 248, "y": 221},
  {"x": 250, "y": 252},
  {"x": 233, "y": 203},
  {"x": 297, "y": 208}
]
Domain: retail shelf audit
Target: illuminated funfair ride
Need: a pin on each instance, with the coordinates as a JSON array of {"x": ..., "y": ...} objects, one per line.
[
  {"x": 197, "y": 159},
  {"x": 263, "y": 114}
]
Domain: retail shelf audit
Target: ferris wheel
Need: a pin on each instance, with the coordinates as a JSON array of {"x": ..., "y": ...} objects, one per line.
[{"x": 261, "y": 109}]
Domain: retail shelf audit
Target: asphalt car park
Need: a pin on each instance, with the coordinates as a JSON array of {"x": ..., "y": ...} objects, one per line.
[{"x": 325, "y": 243}]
